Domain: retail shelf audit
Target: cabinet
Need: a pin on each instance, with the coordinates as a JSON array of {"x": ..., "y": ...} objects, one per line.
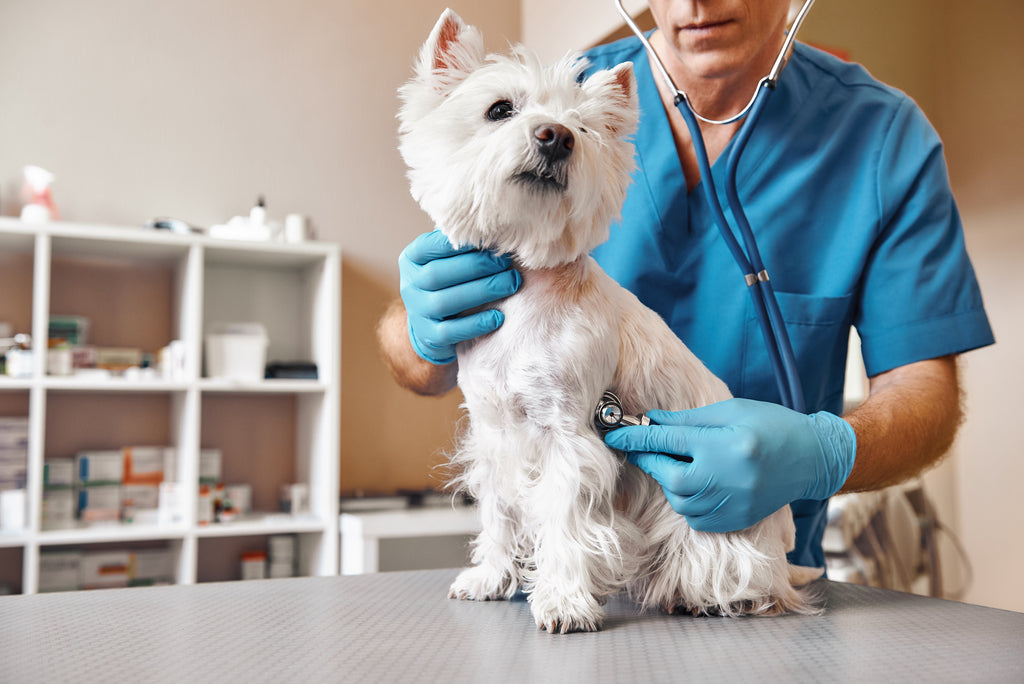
[{"x": 143, "y": 289}]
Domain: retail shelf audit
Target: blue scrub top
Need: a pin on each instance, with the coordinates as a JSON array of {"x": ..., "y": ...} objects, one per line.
[{"x": 846, "y": 189}]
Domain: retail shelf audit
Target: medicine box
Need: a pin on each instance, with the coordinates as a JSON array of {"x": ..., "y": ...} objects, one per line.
[
  {"x": 14, "y": 431},
  {"x": 281, "y": 548},
  {"x": 240, "y": 496},
  {"x": 294, "y": 498},
  {"x": 139, "y": 497},
  {"x": 58, "y": 473},
  {"x": 148, "y": 465},
  {"x": 59, "y": 570},
  {"x": 101, "y": 569},
  {"x": 59, "y": 509},
  {"x": 100, "y": 503},
  {"x": 169, "y": 509},
  {"x": 99, "y": 467},
  {"x": 72, "y": 329},
  {"x": 254, "y": 565},
  {"x": 150, "y": 566},
  {"x": 209, "y": 466}
]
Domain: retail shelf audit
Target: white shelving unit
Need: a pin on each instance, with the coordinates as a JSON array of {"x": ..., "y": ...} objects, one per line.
[{"x": 270, "y": 432}]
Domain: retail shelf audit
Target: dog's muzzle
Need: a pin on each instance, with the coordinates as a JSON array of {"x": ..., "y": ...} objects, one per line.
[{"x": 553, "y": 144}]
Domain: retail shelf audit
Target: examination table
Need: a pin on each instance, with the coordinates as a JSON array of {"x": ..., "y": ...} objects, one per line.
[{"x": 399, "y": 627}]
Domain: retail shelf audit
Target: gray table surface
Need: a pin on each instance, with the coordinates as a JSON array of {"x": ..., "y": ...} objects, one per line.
[{"x": 400, "y": 627}]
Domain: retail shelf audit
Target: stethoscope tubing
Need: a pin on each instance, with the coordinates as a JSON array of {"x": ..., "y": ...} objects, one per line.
[{"x": 766, "y": 306}]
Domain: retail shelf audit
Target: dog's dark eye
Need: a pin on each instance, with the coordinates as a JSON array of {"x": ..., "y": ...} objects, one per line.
[{"x": 502, "y": 109}]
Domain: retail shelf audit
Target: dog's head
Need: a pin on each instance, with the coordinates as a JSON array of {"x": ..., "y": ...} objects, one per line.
[{"x": 509, "y": 155}]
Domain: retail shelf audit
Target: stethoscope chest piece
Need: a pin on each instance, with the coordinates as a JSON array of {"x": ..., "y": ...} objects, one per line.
[{"x": 608, "y": 414}]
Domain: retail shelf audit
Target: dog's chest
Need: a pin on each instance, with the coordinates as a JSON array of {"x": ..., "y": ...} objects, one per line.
[{"x": 557, "y": 346}]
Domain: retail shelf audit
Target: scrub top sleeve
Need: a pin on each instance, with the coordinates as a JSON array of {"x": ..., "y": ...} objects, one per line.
[{"x": 919, "y": 297}]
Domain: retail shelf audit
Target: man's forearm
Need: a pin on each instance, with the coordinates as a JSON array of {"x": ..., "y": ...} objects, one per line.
[
  {"x": 906, "y": 424},
  {"x": 408, "y": 369}
]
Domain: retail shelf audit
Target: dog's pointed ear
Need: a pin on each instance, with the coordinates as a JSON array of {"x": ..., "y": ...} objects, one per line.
[
  {"x": 617, "y": 88},
  {"x": 453, "y": 51}
]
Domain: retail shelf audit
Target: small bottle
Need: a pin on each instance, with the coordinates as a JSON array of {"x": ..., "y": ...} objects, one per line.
[{"x": 258, "y": 214}]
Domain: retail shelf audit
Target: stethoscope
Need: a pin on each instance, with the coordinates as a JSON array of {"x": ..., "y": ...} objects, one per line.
[{"x": 773, "y": 328}]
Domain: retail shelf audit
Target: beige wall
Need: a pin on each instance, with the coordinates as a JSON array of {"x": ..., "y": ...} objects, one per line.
[{"x": 192, "y": 108}]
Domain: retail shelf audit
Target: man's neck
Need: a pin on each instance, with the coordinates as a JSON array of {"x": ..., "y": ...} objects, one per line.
[{"x": 716, "y": 97}]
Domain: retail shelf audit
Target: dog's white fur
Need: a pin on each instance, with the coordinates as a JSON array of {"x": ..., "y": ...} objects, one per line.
[{"x": 564, "y": 517}]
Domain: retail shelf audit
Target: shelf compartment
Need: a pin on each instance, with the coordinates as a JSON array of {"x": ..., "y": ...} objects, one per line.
[
  {"x": 256, "y": 435},
  {"x": 128, "y": 304},
  {"x": 77, "y": 421},
  {"x": 12, "y": 561},
  {"x": 167, "y": 564},
  {"x": 219, "y": 558},
  {"x": 16, "y": 277}
]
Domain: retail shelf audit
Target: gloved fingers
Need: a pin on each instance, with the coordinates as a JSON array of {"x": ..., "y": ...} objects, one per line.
[
  {"x": 678, "y": 477},
  {"x": 702, "y": 512},
  {"x": 453, "y": 300},
  {"x": 681, "y": 441},
  {"x": 429, "y": 246},
  {"x": 432, "y": 266},
  {"x": 443, "y": 335}
]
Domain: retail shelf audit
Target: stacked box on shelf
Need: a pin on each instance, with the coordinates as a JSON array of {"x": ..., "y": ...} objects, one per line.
[
  {"x": 60, "y": 570},
  {"x": 99, "y": 485},
  {"x": 13, "y": 452},
  {"x": 281, "y": 556},
  {"x": 71, "y": 569},
  {"x": 59, "y": 501},
  {"x": 13, "y": 473},
  {"x": 145, "y": 469}
]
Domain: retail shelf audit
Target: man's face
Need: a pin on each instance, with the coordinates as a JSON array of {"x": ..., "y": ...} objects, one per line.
[{"x": 718, "y": 38}]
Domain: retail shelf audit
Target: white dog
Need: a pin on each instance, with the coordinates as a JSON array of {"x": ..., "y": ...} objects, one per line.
[{"x": 513, "y": 157}]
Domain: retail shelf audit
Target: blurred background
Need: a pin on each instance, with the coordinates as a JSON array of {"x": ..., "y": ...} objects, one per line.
[{"x": 194, "y": 108}]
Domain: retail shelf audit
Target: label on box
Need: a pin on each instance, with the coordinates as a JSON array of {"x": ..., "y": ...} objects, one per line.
[
  {"x": 99, "y": 503},
  {"x": 139, "y": 497},
  {"x": 146, "y": 465},
  {"x": 59, "y": 570},
  {"x": 105, "y": 569},
  {"x": 151, "y": 565},
  {"x": 58, "y": 509},
  {"x": 58, "y": 472},
  {"x": 99, "y": 467},
  {"x": 209, "y": 466}
]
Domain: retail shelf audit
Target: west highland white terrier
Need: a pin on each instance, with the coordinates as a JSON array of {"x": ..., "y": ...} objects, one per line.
[{"x": 509, "y": 155}]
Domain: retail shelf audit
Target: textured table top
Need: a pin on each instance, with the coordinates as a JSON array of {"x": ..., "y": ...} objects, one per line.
[{"x": 400, "y": 627}]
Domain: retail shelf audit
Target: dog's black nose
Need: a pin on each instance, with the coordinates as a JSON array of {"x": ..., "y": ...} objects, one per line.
[{"x": 554, "y": 141}]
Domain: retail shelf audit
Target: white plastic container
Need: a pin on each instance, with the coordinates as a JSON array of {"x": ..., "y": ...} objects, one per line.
[{"x": 236, "y": 351}]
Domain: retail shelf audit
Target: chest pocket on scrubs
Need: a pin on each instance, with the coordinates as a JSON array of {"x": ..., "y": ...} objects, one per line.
[{"x": 819, "y": 328}]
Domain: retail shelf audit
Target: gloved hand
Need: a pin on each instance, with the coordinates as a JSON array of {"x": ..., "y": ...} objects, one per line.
[
  {"x": 742, "y": 460},
  {"x": 439, "y": 282}
]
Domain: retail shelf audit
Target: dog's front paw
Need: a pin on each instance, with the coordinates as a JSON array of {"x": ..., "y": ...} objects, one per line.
[
  {"x": 561, "y": 613},
  {"x": 481, "y": 583}
]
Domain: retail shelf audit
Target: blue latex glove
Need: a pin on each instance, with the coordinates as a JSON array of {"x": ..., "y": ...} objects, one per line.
[
  {"x": 741, "y": 460},
  {"x": 439, "y": 282}
]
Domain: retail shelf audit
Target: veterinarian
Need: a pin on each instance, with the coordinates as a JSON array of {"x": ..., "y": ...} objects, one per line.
[{"x": 845, "y": 184}]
